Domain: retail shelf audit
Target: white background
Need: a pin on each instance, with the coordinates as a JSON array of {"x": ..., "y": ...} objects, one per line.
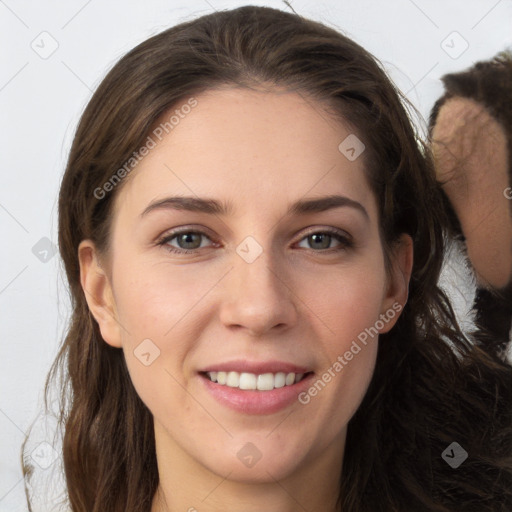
[{"x": 41, "y": 100}]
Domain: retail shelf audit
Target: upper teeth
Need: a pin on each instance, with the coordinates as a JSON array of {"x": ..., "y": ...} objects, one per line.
[{"x": 263, "y": 382}]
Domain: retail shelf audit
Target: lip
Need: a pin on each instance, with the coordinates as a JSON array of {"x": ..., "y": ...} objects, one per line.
[
  {"x": 256, "y": 402},
  {"x": 244, "y": 366}
]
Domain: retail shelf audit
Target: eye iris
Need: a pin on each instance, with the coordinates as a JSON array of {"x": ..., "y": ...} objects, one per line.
[
  {"x": 323, "y": 239},
  {"x": 186, "y": 240}
]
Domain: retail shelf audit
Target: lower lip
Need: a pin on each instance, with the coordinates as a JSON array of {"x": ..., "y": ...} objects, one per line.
[{"x": 256, "y": 402}]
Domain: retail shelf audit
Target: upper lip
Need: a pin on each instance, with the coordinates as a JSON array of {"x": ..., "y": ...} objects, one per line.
[{"x": 258, "y": 368}]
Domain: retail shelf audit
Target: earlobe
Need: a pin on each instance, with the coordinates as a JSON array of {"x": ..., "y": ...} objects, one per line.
[
  {"x": 398, "y": 283},
  {"x": 98, "y": 293}
]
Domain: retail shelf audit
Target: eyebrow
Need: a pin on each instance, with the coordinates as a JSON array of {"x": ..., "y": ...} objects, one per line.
[{"x": 214, "y": 207}]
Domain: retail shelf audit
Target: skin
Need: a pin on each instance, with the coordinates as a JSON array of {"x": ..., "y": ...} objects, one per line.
[
  {"x": 470, "y": 148},
  {"x": 297, "y": 302}
]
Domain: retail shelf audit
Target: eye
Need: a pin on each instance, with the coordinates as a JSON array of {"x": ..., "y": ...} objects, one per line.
[
  {"x": 190, "y": 241},
  {"x": 184, "y": 242},
  {"x": 322, "y": 241}
]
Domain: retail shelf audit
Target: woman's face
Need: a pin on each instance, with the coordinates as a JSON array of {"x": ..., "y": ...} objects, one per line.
[{"x": 246, "y": 243}]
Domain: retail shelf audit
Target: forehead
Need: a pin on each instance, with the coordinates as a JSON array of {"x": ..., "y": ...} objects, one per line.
[{"x": 250, "y": 146}]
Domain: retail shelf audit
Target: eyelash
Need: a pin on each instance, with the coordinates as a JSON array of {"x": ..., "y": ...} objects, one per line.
[{"x": 344, "y": 241}]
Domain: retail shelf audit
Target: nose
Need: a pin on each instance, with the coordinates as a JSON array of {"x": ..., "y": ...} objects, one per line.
[{"x": 258, "y": 298}]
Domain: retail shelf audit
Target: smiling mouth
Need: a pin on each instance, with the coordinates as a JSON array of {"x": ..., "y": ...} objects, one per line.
[{"x": 255, "y": 382}]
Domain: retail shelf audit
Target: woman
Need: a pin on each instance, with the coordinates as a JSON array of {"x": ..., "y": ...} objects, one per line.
[{"x": 253, "y": 239}]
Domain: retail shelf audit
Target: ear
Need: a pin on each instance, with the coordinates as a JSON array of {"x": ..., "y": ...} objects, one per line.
[
  {"x": 98, "y": 293},
  {"x": 397, "y": 290}
]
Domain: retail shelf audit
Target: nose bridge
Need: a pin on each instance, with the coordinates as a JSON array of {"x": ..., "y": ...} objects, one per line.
[
  {"x": 259, "y": 277},
  {"x": 257, "y": 296}
]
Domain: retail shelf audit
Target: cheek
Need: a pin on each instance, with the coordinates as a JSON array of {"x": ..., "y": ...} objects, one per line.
[
  {"x": 169, "y": 305},
  {"x": 348, "y": 303},
  {"x": 348, "y": 299},
  {"x": 152, "y": 303},
  {"x": 152, "y": 298},
  {"x": 351, "y": 312}
]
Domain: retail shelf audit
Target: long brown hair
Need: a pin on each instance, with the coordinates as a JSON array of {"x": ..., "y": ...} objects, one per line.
[{"x": 431, "y": 385}]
